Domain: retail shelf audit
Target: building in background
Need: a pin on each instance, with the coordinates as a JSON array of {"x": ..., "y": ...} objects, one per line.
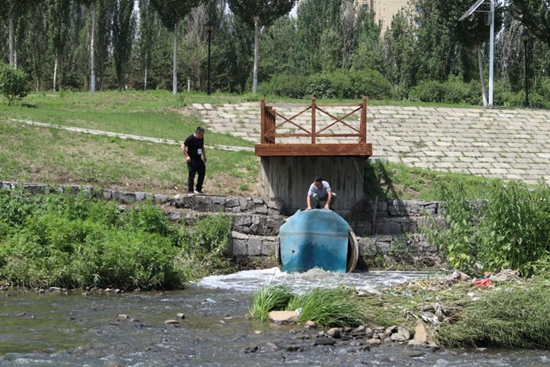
[{"x": 384, "y": 10}]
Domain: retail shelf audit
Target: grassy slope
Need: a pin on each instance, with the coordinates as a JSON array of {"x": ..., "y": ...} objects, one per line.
[{"x": 35, "y": 154}]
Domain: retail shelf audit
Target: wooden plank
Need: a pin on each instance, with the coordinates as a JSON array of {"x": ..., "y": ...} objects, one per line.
[{"x": 313, "y": 150}]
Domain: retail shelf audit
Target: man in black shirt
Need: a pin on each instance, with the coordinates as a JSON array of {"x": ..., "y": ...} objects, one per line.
[{"x": 193, "y": 148}]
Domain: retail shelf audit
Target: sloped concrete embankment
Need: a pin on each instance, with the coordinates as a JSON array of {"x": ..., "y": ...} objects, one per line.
[{"x": 387, "y": 230}]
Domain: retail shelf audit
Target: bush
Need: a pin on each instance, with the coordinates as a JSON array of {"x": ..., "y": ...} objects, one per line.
[
  {"x": 13, "y": 84},
  {"x": 284, "y": 85},
  {"x": 509, "y": 230},
  {"x": 369, "y": 83},
  {"x": 428, "y": 91},
  {"x": 77, "y": 241},
  {"x": 320, "y": 86}
]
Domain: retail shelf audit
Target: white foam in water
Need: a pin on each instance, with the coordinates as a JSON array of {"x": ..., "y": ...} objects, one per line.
[{"x": 252, "y": 280}]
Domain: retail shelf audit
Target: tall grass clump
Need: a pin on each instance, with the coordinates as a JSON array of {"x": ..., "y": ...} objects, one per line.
[
  {"x": 267, "y": 299},
  {"x": 329, "y": 307},
  {"x": 207, "y": 244},
  {"x": 513, "y": 316},
  {"x": 508, "y": 229}
]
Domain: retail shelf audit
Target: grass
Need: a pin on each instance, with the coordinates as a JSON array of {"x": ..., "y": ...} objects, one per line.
[
  {"x": 79, "y": 241},
  {"x": 52, "y": 156},
  {"x": 510, "y": 313},
  {"x": 37, "y": 154}
]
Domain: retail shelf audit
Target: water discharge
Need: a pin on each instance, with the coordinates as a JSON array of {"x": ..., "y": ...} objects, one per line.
[{"x": 106, "y": 329}]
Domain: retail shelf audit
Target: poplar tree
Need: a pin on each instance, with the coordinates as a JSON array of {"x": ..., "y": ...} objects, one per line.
[
  {"x": 257, "y": 13},
  {"x": 58, "y": 15},
  {"x": 123, "y": 34},
  {"x": 14, "y": 9},
  {"x": 534, "y": 15},
  {"x": 171, "y": 12},
  {"x": 91, "y": 4}
]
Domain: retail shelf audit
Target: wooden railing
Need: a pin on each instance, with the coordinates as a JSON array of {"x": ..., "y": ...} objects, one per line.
[
  {"x": 350, "y": 140},
  {"x": 269, "y": 126}
]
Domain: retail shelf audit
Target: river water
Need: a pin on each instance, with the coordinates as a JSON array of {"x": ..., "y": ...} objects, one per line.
[{"x": 107, "y": 329}]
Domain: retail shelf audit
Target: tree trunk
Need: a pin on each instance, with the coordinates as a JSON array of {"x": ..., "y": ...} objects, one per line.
[
  {"x": 12, "y": 40},
  {"x": 481, "y": 74},
  {"x": 92, "y": 58},
  {"x": 145, "y": 78},
  {"x": 175, "y": 66},
  {"x": 256, "y": 54},
  {"x": 56, "y": 62}
]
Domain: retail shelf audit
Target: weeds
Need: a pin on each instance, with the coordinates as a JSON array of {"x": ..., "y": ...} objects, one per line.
[
  {"x": 508, "y": 230},
  {"x": 76, "y": 241}
]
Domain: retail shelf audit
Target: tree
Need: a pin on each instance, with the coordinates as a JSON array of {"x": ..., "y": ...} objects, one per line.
[
  {"x": 58, "y": 14},
  {"x": 123, "y": 32},
  {"x": 535, "y": 15},
  {"x": 146, "y": 28},
  {"x": 193, "y": 42},
  {"x": 92, "y": 6},
  {"x": 258, "y": 13},
  {"x": 104, "y": 47},
  {"x": 14, "y": 9},
  {"x": 471, "y": 32},
  {"x": 171, "y": 12},
  {"x": 367, "y": 50}
]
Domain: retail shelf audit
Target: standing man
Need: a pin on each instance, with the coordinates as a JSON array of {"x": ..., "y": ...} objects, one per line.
[
  {"x": 320, "y": 191},
  {"x": 193, "y": 148}
]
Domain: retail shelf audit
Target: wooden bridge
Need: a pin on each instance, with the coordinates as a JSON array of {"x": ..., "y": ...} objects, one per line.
[
  {"x": 326, "y": 135},
  {"x": 328, "y": 141}
]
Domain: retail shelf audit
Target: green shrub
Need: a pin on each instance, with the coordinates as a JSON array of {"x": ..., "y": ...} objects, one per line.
[
  {"x": 508, "y": 230},
  {"x": 456, "y": 91},
  {"x": 369, "y": 83},
  {"x": 77, "y": 241},
  {"x": 428, "y": 91},
  {"x": 13, "y": 84},
  {"x": 342, "y": 85},
  {"x": 284, "y": 85},
  {"x": 320, "y": 86}
]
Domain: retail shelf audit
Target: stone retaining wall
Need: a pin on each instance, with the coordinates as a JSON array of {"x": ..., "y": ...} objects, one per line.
[{"x": 386, "y": 228}]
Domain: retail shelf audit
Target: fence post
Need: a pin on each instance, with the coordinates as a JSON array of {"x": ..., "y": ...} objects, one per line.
[
  {"x": 363, "y": 127},
  {"x": 263, "y": 139},
  {"x": 313, "y": 109}
]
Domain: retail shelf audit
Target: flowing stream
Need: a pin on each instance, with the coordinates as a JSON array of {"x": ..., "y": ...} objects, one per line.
[{"x": 129, "y": 329}]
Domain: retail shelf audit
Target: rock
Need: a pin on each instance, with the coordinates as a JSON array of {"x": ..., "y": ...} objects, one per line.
[
  {"x": 310, "y": 325},
  {"x": 293, "y": 348},
  {"x": 283, "y": 317},
  {"x": 324, "y": 341},
  {"x": 171, "y": 322},
  {"x": 253, "y": 349},
  {"x": 334, "y": 332},
  {"x": 374, "y": 341},
  {"x": 180, "y": 315},
  {"x": 421, "y": 335},
  {"x": 122, "y": 316}
]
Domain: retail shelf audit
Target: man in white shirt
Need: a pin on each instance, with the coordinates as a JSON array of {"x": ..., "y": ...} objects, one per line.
[{"x": 320, "y": 191}]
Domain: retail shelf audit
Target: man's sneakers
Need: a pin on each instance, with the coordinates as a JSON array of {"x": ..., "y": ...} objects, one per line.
[{"x": 196, "y": 192}]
